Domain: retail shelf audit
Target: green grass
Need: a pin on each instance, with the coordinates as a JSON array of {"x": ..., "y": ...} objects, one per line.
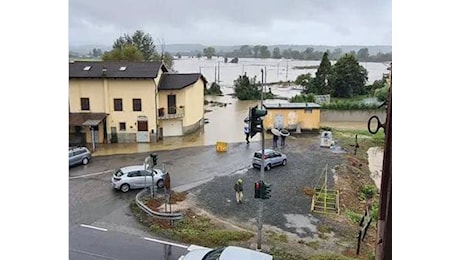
[
  {"x": 202, "y": 231},
  {"x": 277, "y": 237},
  {"x": 353, "y": 216}
]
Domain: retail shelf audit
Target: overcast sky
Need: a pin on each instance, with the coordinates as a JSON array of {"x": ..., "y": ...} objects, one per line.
[{"x": 233, "y": 22}]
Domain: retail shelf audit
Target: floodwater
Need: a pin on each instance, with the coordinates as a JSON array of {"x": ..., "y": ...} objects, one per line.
[
  {"x": 226, "y": 122},
  {"x": 375, "y": 158}
]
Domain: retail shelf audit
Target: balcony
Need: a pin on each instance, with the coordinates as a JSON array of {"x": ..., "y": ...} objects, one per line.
[{"x": 171, "y": 112}]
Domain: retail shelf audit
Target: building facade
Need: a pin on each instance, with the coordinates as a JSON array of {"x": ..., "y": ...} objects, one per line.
[
  {"x": 292, "y": 116},
  {"x": 119, "y": 102}
]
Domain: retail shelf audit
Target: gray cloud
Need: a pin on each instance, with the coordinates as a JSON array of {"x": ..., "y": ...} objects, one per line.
[{"x": 215, "y": 22}]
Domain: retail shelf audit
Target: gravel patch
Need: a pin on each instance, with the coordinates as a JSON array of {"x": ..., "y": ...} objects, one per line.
[{"x": 288, "y": 208}]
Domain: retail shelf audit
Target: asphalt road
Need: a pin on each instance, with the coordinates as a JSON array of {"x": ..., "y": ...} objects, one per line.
[
  {"x": 94, "y": 243},
  {"x": 209, "y": 175}
]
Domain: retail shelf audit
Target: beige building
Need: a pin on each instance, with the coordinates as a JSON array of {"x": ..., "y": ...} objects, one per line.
[
  {"x": 292, "y": 116},
  {"x": 124, "y": 102}
]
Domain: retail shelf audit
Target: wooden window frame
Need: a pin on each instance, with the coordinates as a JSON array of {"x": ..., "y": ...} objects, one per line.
[
  {"x": 117, "y": 104},
  {"x": 135, "y": 107},
  {"x": 84, "y": 104}
]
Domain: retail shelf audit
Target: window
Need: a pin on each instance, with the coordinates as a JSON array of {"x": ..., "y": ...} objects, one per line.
[
  {"x": 137, "y": 106},
  {"x": 122, "y": 68},
  {"x": 87, "y": 68},
  {"x": 118, "y": 104},
  {"x": 84, "y": 103},
  {"x": 122, "y": 126}
]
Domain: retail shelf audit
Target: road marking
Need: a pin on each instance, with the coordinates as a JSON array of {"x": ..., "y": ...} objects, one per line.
[
  {"x": 92, "y": 254},
  {"x": 93, "y": 227},
  {"x": 165, "y": 242},
  {"x": 90, "y": 174}
]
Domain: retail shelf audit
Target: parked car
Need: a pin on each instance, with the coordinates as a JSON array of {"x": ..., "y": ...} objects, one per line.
[
  {"x": 136, "y": 177},
  {"x": 79, "y": 155},
  {"x": 272, "y": 158},
  {"x": 225, "y": 253}
]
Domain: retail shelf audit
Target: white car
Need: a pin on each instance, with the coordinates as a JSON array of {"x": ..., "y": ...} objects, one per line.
[
  {"x": 136, "y": 177},
  {"x": 225, "y": 253}
]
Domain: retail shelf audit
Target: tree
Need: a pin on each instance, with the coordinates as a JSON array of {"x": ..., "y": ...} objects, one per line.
[
  {"x": 305, "y": 81},
  {"x": 336, "y": 54},
  {"x": 264, "y": 52},
  {"x": 363, "y": 54},
  {"x": 256, "y": 50},
  {"x": 347, "y": 78},
  {"x": 246, "y": 89},
  {"x": 322, "y": 75},
  {"x": 209, "y": 52},
  {"x": 142, "y": 41},
  {"x": 276, "y": 54},
  {"x": 124, "y": 53},
  {"x": 213, "y": 90}
]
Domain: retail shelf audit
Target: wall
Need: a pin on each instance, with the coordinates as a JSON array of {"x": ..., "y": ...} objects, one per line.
[
  {"x": 350, "y": 115},
  {"x": 127, "y": 90},
  {"x": 92, "y": 89},
  {"x": 194, "y": 104},
  {"x": 292, "y": 117}
]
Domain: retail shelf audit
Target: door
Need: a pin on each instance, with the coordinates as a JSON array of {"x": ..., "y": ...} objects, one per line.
[
  {"x": 171, "y": 104},
  {"x": 136, "y": 180},
  {"x": 172, "y": 127},
  {"x": 279, "y": 122},
  {"x": 142, "y": 135}
]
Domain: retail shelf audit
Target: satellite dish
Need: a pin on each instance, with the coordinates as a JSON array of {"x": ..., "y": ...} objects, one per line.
[{"x": 275, "y": 132}]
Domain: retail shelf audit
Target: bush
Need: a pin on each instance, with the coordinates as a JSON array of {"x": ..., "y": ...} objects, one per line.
[
  {"x": 349, "y": 105},
  {"x": 381, "y": 94},
  {"x": 368, "y": 191}
]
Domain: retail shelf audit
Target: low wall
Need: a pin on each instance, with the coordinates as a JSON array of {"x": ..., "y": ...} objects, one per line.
[{"x": 328, "y": 115}]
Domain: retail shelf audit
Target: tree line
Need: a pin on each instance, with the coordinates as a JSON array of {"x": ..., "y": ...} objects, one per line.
[
  {"x": 345, "y": 79},
  {"x": 262, "y": 51}
]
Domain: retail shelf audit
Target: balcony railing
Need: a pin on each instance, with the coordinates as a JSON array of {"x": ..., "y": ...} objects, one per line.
[{"x": 171, "y": 112}]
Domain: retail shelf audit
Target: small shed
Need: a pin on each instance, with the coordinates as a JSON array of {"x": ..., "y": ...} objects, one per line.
[{"x": 292, "y": 116}]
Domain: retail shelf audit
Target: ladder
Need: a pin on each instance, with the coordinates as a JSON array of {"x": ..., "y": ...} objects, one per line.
[{"x": 325, "y": 200}]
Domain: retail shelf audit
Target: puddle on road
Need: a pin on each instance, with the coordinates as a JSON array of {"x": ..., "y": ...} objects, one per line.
[{"x": 301, "y": 222}]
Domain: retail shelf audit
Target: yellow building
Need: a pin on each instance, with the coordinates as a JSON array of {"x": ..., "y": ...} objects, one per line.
[
  {"x": 292, "y": 116},
  {"x": 124, "y": 102}
]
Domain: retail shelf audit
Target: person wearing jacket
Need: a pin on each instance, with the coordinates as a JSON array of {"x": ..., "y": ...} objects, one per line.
[{"x": 238, "y": 187}]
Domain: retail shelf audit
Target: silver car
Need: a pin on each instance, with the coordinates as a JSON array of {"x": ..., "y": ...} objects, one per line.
[
  {"x": 79, "y": 155},
  {"x": 272, "y": 158},
  {"x": 136, "y": 177},
  {"x": 225, "y": 253}
]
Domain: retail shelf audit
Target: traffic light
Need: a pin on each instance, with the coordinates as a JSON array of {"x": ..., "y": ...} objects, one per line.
[
  {"x": 154, "y": 158},
  {"x": 257, "y": 190},
  {"x": 255, "y": 120},
  {"x": 266, "y": 189}
]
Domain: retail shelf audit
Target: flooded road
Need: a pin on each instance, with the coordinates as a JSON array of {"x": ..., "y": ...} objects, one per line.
[{"x": 226, "y": 121}]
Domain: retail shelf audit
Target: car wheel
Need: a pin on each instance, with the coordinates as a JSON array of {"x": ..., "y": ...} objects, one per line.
[
  {"x": 85, "y": 161},
  {"x": 284, "y": 162},
  {"x": 268, "y": 167},
  {"x": 124, "y": 188},
  {"x": 160, "y": 184}
]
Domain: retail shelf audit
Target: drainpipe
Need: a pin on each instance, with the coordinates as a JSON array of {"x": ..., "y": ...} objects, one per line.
[{"x": 156, "y": 110}]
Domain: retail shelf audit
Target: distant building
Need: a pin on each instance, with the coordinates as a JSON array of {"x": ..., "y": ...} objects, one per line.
[{"x": 292, "y": 116}]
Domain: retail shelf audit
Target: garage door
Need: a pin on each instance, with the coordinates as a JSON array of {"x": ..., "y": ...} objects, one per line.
[{"x": 172, "y": 128}]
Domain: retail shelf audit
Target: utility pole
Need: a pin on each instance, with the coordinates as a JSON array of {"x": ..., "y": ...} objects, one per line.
[
  {"x": 218, "y": 71},
  {"x": 384, "y": 224},
  {"x": 287, "y": 68},
  {"x": 262, "y": 170}
]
